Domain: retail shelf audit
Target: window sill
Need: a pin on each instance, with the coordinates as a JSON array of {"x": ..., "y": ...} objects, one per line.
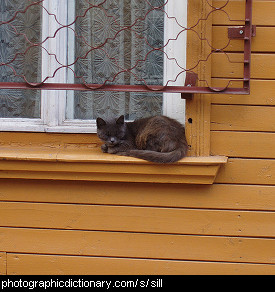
[{"x": 90, "y": 164}]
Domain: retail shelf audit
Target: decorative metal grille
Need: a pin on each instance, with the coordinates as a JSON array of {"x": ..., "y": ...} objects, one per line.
[{"x": 115, "y": 49}]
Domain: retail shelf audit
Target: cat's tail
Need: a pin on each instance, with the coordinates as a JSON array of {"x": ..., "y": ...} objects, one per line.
[{"x": 159, "y": 157}]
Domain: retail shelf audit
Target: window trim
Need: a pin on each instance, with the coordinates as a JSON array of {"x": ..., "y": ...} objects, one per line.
[{"x": 199, "y": 107}]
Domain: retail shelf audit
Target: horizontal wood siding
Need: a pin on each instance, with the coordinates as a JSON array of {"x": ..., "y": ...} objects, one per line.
[
  {"x": 262, "y": 65},
  {"x": 81, "y": 265},
  {"x": 248, "y": 171},
  {"x": 122, "y": 224},
  {"x": 243, "y": 144},
  {"x": 218, "y": 196},
  {"x": 243, "y": 118},
  {"x": 263, "y": 12},
  {"x": 85, "y": 227},
  {"x": 257, "y": 96},
  {"x": 138, "y": 245},
  {"x": 242, "y": 127},
  {"x": 138, "y": 219},
  {"x": 259, "y": 43}
]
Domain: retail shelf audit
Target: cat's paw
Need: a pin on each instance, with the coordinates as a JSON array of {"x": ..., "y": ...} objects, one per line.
[
  {"x": 104, "y": 148},
  {"x": 112, "y": 150}
]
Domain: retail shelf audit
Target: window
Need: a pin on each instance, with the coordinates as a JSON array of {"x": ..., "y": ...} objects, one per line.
[
  {"x": 39, "y": 43},
  {"x": 23, "y": 105},
  {"x": 90, "y": 44}
]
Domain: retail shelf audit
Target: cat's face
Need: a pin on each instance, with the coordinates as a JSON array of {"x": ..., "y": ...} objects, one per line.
[{"x": 111, "y": 132}]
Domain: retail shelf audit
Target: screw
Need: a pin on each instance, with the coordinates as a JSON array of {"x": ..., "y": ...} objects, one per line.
[{"x": 241, "y": 31}]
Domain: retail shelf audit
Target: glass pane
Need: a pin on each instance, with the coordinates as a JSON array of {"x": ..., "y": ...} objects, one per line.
[
  {"x": 20, "y": 104},
  {"x": 21, "y": 55},
  {"x": 107, "y": 52}
]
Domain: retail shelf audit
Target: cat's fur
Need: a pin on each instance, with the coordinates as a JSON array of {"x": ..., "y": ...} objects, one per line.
[{"x": 157, "y": 139}]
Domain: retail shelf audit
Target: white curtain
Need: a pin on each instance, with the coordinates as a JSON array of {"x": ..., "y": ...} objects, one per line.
[
  {"x": 118, "y": 49},
  {"x": 18, "y": 40}
]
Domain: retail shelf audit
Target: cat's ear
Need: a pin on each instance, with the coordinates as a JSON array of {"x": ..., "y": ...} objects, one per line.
[
  {"x": 100, "y": 122},
  {"x": 120, "y": 120}
]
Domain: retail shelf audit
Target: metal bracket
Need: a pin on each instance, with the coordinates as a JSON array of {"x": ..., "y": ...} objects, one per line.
[
  {"x": 190, "y": 80},
  {"x": 238, "y": 32}
]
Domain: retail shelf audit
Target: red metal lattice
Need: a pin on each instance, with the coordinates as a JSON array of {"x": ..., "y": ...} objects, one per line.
[{"x": 110, "y": 84}]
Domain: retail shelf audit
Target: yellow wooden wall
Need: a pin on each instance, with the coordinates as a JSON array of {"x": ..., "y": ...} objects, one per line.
[{"x": 57, "y": 227}]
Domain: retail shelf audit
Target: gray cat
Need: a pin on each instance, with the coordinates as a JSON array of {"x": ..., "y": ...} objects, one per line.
[{"x": 157, "y": 139}]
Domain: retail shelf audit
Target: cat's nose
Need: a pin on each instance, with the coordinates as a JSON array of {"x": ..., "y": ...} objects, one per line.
[{"x": 112, "y": 140}]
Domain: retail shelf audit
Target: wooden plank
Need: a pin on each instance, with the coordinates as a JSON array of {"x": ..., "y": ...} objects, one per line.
[
  {"x": 50, "y": 140},
  {"x": 243, "y": 144},
  {"x": 262, "y": 65},
  {"x": 22, "y": 164},
  {"x": 30, "y": 264},
  {"x": 242, "y": 118},
  {"x": 262, "y": 93},
  {"x": 263, "y": 42},
  {"x": 215, "y": 197},
  {"x": 234, "y": 10},
  {"x": 263, "y": 12},
  {"x": 3, "y": 263},
  {"x": 138, "y": 245},
  {"x": 248, "y": 171},
  {"x": 138, "y": 219},
  {"x": 198, "y": 108}
]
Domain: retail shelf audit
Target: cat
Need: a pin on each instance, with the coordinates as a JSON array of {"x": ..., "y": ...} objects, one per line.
[{"x": 158, "y": 139}]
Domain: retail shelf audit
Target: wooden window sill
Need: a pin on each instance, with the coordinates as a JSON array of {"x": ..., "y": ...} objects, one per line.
[{"x": 90, "y": 164}]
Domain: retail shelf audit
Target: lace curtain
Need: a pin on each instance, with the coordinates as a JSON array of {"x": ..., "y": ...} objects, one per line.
[
  {"x": 15, "y": 38},
  {"x": 119, "y": 50},
  {"x": 100, "y": 24}
]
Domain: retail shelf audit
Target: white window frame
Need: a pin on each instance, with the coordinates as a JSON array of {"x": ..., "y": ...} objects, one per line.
[{"x": 53, "y": 102}]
